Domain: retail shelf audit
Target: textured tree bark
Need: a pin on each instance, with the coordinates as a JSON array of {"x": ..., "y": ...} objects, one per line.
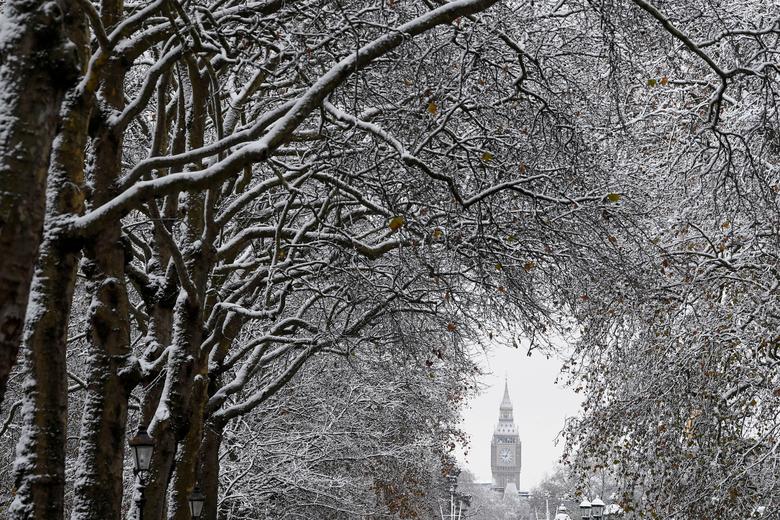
[
  {"x": 160, "y": 334},
  {"x": 40, "y": 468},
  {"x": 160, "y": 473},
  {"x": 208, "y": 464},
  {"x": 97, "y": 491},
  {"x": 37, "y": 65},
  {"x": 209, "y": 469},
  {"x": 171, "y": 424},
  {"x": 185, "y": 474},
  {"x": 161, "y": 314},
  {"x": 183, "y": 401},
  {"x": 113, "y": 372},
  {"x": 188, "y": 407},
  {"x": 160, "y": 331}
]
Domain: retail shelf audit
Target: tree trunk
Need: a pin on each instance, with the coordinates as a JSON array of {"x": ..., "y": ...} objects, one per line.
[
  {"x": 177, "y": 423},
  {"x": 40, "y": 468},
  {"x": 212, "y": 437},
  {"x": 37, "y": 65},
  {"x": 162, "y": 318},
  {"x": 113, "y": 371},
  {"x": 209, "y": 469},
  {"x": 185, "y": 474},
  {"x": 160, "y": 331},
  {"x": 98, "y": 488},
  {"x": 199, "y": 260}
]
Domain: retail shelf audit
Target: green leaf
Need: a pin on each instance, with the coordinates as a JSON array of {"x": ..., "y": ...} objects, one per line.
[{"x": 613, "y": 197}]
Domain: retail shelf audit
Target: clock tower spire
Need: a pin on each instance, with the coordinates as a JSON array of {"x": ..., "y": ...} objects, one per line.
[{"x": 505, "y": 447}]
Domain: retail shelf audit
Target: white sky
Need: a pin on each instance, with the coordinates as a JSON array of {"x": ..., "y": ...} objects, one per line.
[{"x": 540, "y": 408}]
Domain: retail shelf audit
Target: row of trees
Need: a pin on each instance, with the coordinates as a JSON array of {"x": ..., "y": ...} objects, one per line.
[
  {"x": 217, "y": 215},
  {"x": 265, "y": 231},
  {"x": 678, "y": 362}
]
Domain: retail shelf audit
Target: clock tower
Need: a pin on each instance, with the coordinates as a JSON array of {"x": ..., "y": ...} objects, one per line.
[{"x": 505, "y": 447}]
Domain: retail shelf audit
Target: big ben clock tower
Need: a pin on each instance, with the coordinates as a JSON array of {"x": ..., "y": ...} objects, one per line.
[{"x": 505, "y": 447}]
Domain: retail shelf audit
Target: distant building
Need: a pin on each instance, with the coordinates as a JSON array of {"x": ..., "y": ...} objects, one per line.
[{"x": 505, "y": 447}]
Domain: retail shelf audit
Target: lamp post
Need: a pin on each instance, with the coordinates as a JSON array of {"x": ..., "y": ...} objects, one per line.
[
  {"x": 459, "y": 504},
  {"x": 597, "y": 509},
  {"x": 585, "y": 509},
  {"x": 196, "y": 501},
  {"x": 453, "y": 481},
  {"x": 143, "y": 446},
  {"x": 547, "y": 505}
]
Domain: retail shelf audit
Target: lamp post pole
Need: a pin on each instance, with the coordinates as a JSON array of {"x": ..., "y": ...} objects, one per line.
[
  {"x": 459, "y": 503},
  {"x": 453, "y": 480},
  {"x": 547, "y": 505},
  {"x": 140, "y": 501}
]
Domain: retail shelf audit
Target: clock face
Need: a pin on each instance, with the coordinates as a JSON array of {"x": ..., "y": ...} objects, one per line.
[{"x": 505, "y": 455}]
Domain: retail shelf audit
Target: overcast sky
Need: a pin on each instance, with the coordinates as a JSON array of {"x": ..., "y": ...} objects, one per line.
[{"x": 540, "y": 407}]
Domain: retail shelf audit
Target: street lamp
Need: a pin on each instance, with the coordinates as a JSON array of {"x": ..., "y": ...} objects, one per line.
[
  {"x": 457, "y": 507},
  {"x": 196, "y": 501},
  {"x": 597, "y": 508},
  {"x": 142, "y": 445},
  {"x": 452, "y": 478},
  {"x": 585, "y": 508}
]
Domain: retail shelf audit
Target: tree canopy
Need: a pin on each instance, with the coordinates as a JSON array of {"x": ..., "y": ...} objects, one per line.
[{"x": 270, "y": 231}]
